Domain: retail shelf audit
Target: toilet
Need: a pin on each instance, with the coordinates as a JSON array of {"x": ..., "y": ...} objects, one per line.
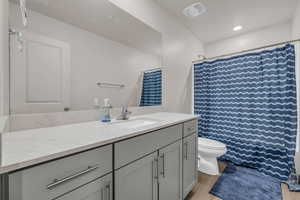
[{"x": 208, "y": 152}]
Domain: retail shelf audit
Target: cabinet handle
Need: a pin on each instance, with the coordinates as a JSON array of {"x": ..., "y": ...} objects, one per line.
[
  {"x": 102, "y": 194},
  {"x": 162, "y": 158},
  {"x": 185, "y": 150},
  {"x": 107, "y": 189},
  {"x": 154, "y": 169},
  {"x": 57, "y": 182}
]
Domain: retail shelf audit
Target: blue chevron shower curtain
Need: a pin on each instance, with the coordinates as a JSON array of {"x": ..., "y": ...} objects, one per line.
[
  {"x": 249, "y": 103},
  {"x": 151, "y": 91}
]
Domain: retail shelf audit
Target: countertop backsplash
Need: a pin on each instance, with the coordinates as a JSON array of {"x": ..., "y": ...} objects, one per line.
[{"x": 42, "y": 120}]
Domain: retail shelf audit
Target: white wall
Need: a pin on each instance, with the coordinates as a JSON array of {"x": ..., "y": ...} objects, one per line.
[
  {"x": 295, "y": 36},
  {"x": 296, "y": 23},
  {"x": 3, "y": 57},
  {"x": 180, "y": 47},
  {"x": 93, "y": 59},
  {"x": 269, "y": 35},
  {"x": 3, "y": 67}
]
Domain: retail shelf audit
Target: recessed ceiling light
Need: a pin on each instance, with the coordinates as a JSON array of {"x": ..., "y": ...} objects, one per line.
[
  {"x": 194, "y": 10},
  {"x": 237, "y": 28}
]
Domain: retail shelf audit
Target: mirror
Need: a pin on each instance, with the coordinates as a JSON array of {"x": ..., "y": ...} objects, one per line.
[{"x": 74, "y": 53}]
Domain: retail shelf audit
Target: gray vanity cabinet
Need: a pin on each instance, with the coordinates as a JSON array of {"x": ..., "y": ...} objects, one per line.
[
  {"x": 100, "y": 189},
  {"x": 160, "y": 165},
  {"x": 170, "y": 172},
  {"x": 154, "y": 176},
  {"x": 160, "y": 171},
  {"x": 138, "y": 180},
  {"x": 189, "y": 152}
]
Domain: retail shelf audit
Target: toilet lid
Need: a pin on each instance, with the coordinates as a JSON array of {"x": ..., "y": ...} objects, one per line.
[{"x": 211, "y": 144}]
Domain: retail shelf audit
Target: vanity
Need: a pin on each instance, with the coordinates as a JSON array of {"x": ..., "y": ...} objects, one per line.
[{"x": 149, "y": 157}]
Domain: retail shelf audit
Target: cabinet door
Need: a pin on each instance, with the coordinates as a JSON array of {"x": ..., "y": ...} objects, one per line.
[
  {"x": 138, "y": 180},
  {"x": 189, "y": 163},
  {"x": 170, "y": 172},
  {"x": 100, "y": 189},
  {"x": 40, "y": 75}
]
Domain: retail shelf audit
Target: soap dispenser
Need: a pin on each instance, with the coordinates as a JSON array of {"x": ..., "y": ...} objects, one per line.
[{"x": 106, "y": 111}]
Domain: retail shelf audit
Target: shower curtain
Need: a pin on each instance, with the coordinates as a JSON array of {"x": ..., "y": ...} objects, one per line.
[
  {"x": 249, "y": 103},
  {"x": 151, "y": 91}
]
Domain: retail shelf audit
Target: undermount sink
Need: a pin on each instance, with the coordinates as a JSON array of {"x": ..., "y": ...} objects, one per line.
[{"x": 134, "y": 123}]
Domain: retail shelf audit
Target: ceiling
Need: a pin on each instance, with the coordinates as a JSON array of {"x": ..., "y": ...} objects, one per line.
[
  {"x": 102, "y": 18},
  {"x": 222, "y": 15}
]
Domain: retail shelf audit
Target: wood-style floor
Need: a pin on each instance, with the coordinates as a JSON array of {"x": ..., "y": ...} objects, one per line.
[{"x": 206, "y": 182}]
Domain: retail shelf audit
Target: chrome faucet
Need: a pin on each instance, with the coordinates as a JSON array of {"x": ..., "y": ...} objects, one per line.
[{"x": 124, "y": 114}]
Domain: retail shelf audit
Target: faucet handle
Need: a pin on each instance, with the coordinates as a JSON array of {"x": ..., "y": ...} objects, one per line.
[
  {"x": 125, "y": 110},
  {"x": 124, "y": 114}
]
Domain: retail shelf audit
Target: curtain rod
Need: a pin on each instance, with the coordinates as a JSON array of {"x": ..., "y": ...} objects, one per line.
[
  {"x": 244, "y": 51},
  {"x": 154, "y": 69}
]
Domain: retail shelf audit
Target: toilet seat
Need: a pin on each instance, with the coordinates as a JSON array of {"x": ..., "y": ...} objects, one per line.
[{"x": 206, "y": 143}]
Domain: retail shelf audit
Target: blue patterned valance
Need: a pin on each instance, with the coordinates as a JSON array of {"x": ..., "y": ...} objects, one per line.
[
  {"x": 151, "y": 92},
  {"x": 249, "y": 103}
]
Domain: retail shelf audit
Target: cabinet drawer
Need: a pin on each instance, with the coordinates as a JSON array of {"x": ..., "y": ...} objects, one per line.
[
  {"x": 100, "y": 189},
  {"x": 135, "y": 148},
  {"x": 190, "y": 127},
  {"x": 50, "y": 180}
]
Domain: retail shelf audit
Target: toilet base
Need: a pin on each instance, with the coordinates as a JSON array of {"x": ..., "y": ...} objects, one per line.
[{"x": 208, "y": 166}]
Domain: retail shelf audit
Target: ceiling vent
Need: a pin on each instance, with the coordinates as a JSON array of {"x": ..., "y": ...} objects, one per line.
[{"x": 194, "y": 10}]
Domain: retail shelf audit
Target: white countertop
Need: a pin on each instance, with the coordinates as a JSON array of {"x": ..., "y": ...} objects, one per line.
[{"x": 26, "y": 148}]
